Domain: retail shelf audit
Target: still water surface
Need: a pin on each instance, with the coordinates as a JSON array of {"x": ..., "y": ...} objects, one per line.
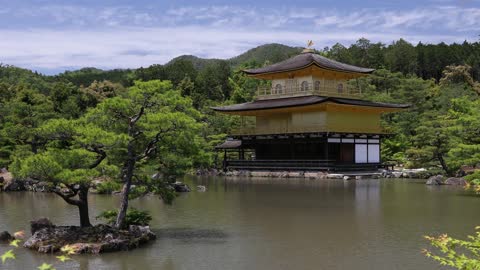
[{"x": 269, "y": 224}]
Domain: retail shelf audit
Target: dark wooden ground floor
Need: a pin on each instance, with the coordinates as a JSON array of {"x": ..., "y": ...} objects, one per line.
[{"x": 302, "y": 152}]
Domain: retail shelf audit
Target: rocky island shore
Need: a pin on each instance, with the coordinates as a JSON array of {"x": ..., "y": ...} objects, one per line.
[{"x": 49, "y": 238}]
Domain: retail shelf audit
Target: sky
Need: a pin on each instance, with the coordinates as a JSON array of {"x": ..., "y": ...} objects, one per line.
[{"x": 51, "y": 36}]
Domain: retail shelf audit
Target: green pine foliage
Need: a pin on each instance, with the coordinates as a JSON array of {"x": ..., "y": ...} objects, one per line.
[
  {"x": 134, "y": 217},
  {"x": 441, "y": 129},
  {"x": 70, "y": 152},
  {"x": 107, "y": 187}
]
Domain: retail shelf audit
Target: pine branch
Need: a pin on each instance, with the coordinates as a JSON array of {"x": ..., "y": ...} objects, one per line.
[{"x": 67, "y": 198}]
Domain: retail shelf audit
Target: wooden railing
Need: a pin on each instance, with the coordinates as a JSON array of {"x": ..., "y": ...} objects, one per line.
[
  {"x": 277, "y": 164},
  {"x": 329, "y": 89},
  {"x": 318, "y": 164},
  {"x": 252, "y": 130}
]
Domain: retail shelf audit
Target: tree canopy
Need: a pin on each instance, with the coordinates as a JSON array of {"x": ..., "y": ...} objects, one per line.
[{"x": 151, "y": 129}]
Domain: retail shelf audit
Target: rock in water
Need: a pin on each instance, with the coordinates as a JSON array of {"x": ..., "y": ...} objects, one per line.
[
  {"x": 39, "y": 224},
  {"x": 435, "y": 180},
  {"x": 142, "y": 233},
  {"x": 334, "y": 176},
  {"x": 5, "y": 237},
  {"x": 181, "y": 187},
  {"x": 10, "y": 184},
  {"x": 456, "y": 181},
  {"x": 397, "y": 174}
]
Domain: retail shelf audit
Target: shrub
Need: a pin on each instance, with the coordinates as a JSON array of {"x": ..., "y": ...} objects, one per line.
[
  {"x": 108, "y": 187},
  {"x": 473, "y": 181},
  {"x": 424, "y": 174},
  {"x": 138, "y": 191},
  {"x": 429, "y": 172},
  {"x": 134, "y": 217},
  {"x": 473, "y": 178}
]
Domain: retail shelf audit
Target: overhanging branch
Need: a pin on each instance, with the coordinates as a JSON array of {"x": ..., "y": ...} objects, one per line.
[
  {"x": 67, "y": 198},
  {"x": 96, "y": 149},
  {"x": 151, "y": 146}
]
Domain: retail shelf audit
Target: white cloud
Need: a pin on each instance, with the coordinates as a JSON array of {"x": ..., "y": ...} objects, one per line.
[
  {"x": 439, "y": 15},
  {"x": 443, "y": 18},
  {"x": 125, "y": 37},
  {"x": 135, "y": 47}
]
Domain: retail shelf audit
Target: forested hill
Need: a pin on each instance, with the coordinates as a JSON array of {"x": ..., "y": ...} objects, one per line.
[
  {"x": 424, "y": 60},
  {"x": 268, "y": 53},
  {"x": 441, "y": 130},
  {"x": 197, "y": 62}
]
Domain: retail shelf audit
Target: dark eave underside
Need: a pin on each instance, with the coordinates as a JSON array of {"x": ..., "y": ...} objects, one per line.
[
  {"x": 229, "y": 144},
  {"x": 303, "y": 101},
  {"x": 305, "y": 60}
]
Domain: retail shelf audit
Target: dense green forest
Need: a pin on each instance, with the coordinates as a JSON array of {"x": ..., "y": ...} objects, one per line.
[{"x": 441, "y": 131}]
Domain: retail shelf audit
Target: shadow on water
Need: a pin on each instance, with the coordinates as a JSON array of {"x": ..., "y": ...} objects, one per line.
[
  {"x": 470, "y": 194},
  {"x": 192, "y": 235},
  {"x": 418, "y": 182}
]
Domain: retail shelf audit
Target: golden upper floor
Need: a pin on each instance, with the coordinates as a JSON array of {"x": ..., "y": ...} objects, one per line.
[
  {"x": 309, "y": 85},
  {"x": 309, "y": 114},
  {"x": 329, "y": 118},
  {"x": 308, "y": 94},
  {"x": 309, "y": 74}
]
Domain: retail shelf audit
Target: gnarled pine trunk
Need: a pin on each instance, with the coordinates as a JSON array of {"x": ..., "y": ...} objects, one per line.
[
  {"x": 81, "y": 203},
  {"x": 443, "y": 164},
  {"x": 127, "y": 179},
  {"x": 83, "y": 207}
]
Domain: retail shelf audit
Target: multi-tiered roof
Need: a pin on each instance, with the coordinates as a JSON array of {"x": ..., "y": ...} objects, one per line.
[
  {"x": 305, "y": 60},
  {"x": 329, "y": 82}
]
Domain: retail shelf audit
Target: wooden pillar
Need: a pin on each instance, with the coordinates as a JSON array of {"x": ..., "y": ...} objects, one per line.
[
  {"x": 225, "y": 160},
  {"x": 291, "y": 144},
  {"x": 380, "y": 150},
  {"x": 341, "y": 152},
  {"x": 325, "y": 148}
]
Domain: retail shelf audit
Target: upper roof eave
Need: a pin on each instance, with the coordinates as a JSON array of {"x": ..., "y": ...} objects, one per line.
[
  {"x": 303, "y": 101},
  {"x": 305, "y": 60},
  {"x": 249, "y": 72}
]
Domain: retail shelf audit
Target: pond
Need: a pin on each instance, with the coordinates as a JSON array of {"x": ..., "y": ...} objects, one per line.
[{"x": 269, "y": 224}]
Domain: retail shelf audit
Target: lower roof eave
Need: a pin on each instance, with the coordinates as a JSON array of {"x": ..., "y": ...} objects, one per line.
[
  {"x": 304, "y": 101},
  {"x": 328, "y": 134}
]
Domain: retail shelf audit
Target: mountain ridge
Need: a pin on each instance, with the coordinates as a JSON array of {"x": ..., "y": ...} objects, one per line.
[{"x": 271, "y": 52}]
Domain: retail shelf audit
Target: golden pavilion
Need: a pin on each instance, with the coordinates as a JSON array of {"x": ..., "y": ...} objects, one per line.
[{"x": 312, "y": 117}]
